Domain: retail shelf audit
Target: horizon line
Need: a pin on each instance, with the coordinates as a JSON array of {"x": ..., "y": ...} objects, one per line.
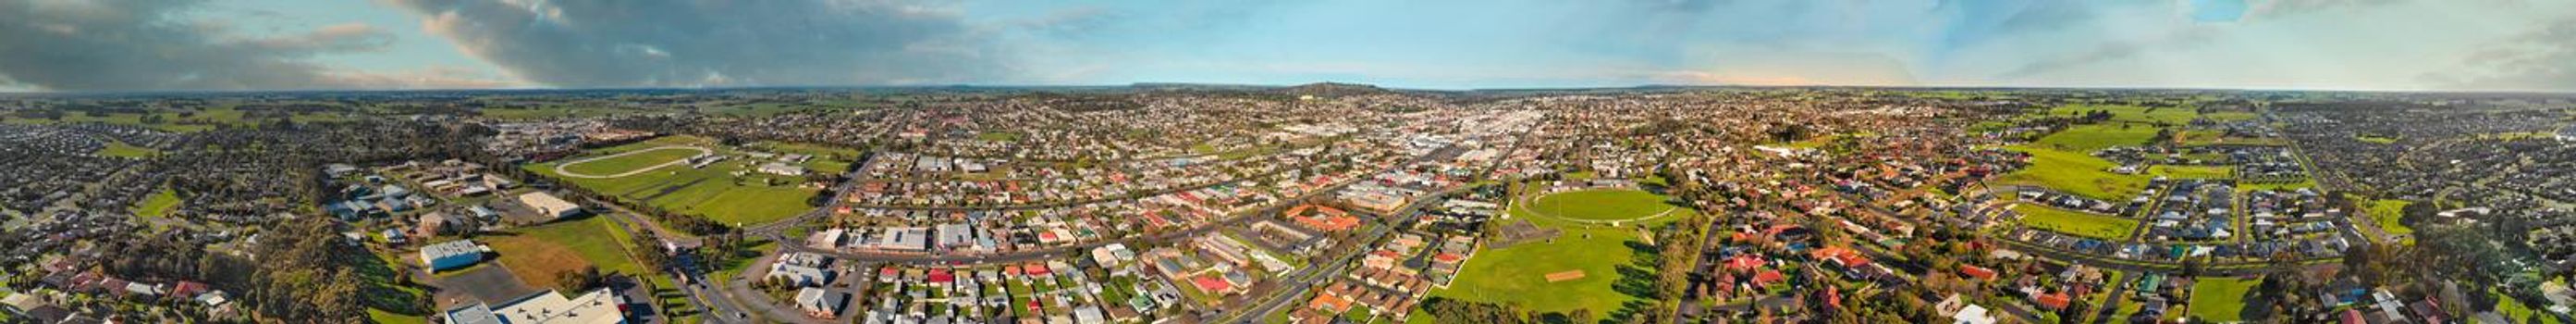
[{"x": 1141, "y": 84}]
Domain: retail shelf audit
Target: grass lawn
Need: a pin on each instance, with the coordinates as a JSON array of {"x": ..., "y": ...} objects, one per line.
[
  {"x": 1601, "y": 204},
  {"x": 2514, "y": 310},
  {"x": 2220, "y": 299},
  {"x": 159, "y": 204},
  {"x": 998, "y": 136},
  {"x": 379, "y": 316},
  {"x": 621, "y": 164},
  {"x": 2089, "y": 138},
  {"x": 713, "y": 191},
  {"x": 120, "y": 149},
  {"x": 535, "y": 254},
  {"x": 2385, "y": 212},
  {"x": 2076, "y": 223},
  {"x": 2076, "y": 173},
  {"x": 1517, "y": 274},
  {"x": 2192, "y": 171}
]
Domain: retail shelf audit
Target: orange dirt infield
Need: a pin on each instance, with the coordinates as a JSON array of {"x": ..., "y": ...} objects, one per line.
[{"x": 1563, "y": 276}]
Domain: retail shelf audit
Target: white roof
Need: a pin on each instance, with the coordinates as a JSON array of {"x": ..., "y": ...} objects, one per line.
[
  {"x": 598, "y": 306},
  {"x": 450, "y": 248},
  {"x": 1973, "y": 314},
  {"x": 546, "y": 202}
]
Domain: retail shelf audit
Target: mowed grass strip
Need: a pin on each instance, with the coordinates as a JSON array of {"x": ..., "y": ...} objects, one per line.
[
  {"x": 2075, "y": 173},
  {"x": 2076, "y": 223},
  {"x": 2220, "y": 299},
  {"x": 536, "y": 254},
  {"x": 630, "y": 162},
  {"x": 1601, "y": 204}
]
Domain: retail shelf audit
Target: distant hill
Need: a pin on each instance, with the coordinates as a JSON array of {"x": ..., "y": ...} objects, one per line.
[{"x": 1334, "y": 89}]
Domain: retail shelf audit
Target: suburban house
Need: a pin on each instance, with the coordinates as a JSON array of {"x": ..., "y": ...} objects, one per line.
[{"x": 820, "y": 303}]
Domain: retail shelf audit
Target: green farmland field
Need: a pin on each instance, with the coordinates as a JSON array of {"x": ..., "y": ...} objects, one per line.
[
  {"x": 2075, "y": 173},
  {"x": 2076, "y": 223}
]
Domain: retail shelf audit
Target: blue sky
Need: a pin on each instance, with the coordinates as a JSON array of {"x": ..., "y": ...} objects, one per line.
[{"x": 116, "y": 45}]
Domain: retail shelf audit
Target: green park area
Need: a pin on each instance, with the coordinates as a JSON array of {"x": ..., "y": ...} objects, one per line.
[
  {"x": 2385, "y": 212},
  {"x": 2516, "y": 311},
  {"x": 120, "y": 149},
  {"x": 159, "y": 204},
  {"x": 1601, "y": 204},
  {"x": 1604, "y": 257},
  {"x": 714, "y": 191},
  {"x": 998, "y": 136},
  {"x": 2076, "y": 223},
  {"x": 2220, "y": 299}
]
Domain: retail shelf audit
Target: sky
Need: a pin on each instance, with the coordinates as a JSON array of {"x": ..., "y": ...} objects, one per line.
[{"x": 191, "y": 45}]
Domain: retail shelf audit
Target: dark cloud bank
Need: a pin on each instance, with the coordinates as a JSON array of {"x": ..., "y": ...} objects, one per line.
[{"x": 109, "y": 45}]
